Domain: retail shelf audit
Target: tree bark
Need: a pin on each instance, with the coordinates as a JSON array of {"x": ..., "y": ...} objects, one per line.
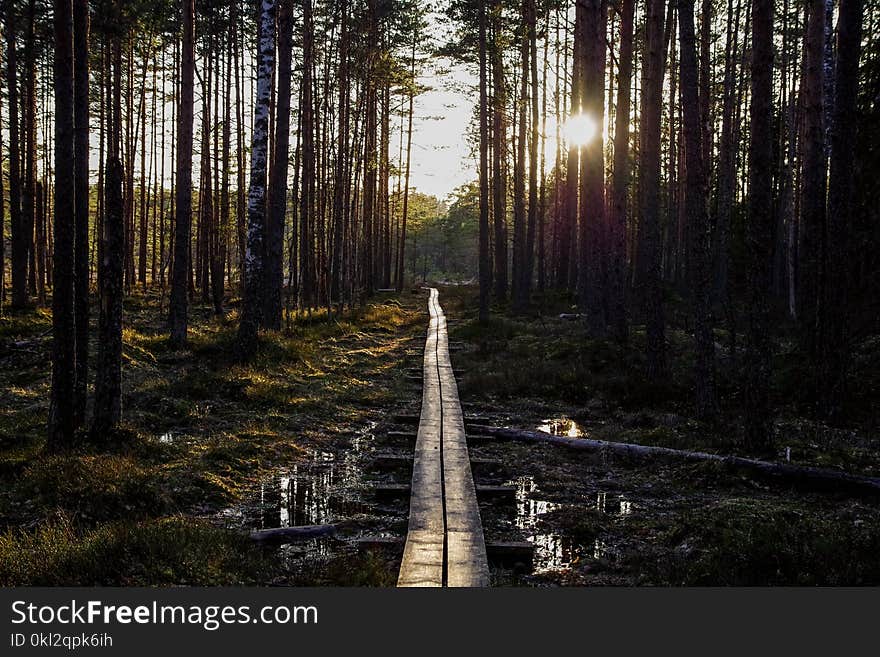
[
  {"x": 519, "y": 293},
  {"x": 839, "y": 288},
  {"x": 499, "y": 156},
  {"x": 591, "y": 215},
  {"x": 617, "y": 319},
  {"x": 760, "y": 231},
  {"x": 278, "y": 173},
  {"x": 81, "y": 184},
  {"x": 485, "y": 271},
  {"x": 178, "y": 301},
  {"x": 61, "y": 405},
  {"x": 254, "y": 270},
  {"x": 649, "y": 178},
  {"x": 108, "y": 371},
  {"x": 19, "y": 251},
  {"x": 697, "y": 219},
  {"x": 813, "y": 187}
]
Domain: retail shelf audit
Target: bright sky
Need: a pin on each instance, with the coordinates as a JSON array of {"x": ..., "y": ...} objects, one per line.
[{"x": 441, "y": 157}]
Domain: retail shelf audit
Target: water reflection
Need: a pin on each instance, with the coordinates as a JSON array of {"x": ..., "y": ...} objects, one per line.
[
  {"x": 557, "y": 551},
  {"x": 319, "y": 491},
  {"x": 561, "y": 427},
  {"x": 552, "y": 551},
  {"x": 613, "y": 505}
]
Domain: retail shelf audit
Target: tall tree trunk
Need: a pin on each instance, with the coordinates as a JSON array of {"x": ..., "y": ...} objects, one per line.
[
  {"x": 840, "y": 283},
  {"x": 370, "y": 155},
  {"x": 61, "y": 405},
  {"x": 274, "y": 266},
  {"x": 620, "y": 182},
  {"x": 760, "y": 231},
  {"x": 240, "y": 203},
  {"x": 534, "y": 137},
  {"x": 409, "y": 132},
  {"x": 307, "y": 279},
  {"x": 178, "y": 301},
  {"x": 649, "y": 180},
  {"x": 705, "y": 84},
  {"x": 19, "y": 239},
  {"x": 254, "y": 277},
  {"x": 519, "y": 292},
  {"x": 591, "y": 216},
  {"x": 727, "y": 154},
  {"x": 143, "y": 226},
  {"x": 108, "y": 370},
  {"x": 499, "y": 155},
  {"x": 485, "y": 271},
  {"x": 340, "y": 187},
  {"x": 81, "y": 184},
  {"x": 218, "y": 275},
  {"x": 36, "y": 260},
  {"x": 206, "y": 193},
  {"x": 697, "y": 219},
  {"x": 2, "y": 223},
  {"x": 569, "y": 205},
  {"x": 812, "y": 224}
]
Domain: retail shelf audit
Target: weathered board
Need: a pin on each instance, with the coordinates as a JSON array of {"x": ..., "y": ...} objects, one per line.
[{"x": 444, "y": 543}]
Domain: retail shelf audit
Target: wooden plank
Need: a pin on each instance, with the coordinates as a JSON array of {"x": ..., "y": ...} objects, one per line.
[
  {"x": 423, "y": 554},
  {"x": 445, "y": 543}
]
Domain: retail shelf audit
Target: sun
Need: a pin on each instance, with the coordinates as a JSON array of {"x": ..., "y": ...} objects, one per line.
[{"x": 579, "y": 129}]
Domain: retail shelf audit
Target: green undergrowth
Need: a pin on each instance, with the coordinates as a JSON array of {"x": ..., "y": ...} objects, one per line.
[
  {"x": 537, "y": 366},
  {"x": 155, "y": 552},
  {"x": 199, "y": 429},
  {"x": 758, "y": 542}
]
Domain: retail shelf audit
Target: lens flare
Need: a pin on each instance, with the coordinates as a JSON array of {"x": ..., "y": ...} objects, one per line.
[{"x": 579, "y": 129}]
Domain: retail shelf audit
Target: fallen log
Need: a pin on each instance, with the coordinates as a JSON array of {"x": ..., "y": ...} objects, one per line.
[
  {"x": 817, "y": 477},
  {"x": 282, "y": 535}
]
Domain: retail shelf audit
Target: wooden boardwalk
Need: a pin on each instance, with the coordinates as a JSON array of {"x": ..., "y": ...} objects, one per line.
[{"x": 444, "y": 543}]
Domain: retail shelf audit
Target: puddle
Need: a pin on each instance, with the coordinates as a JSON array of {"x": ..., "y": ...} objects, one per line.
[
  {"x": 613, "y": 504},
  {"x": 323, "y": 490},
  {"x": 561, "y": 427},
  {"x": 557, "y": 551},
  {"x": 552, "y": 551}
]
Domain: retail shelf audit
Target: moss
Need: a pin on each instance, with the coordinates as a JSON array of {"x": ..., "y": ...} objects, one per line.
[
  {"x": 225, "y": 425},
  {"x": 749, "y": 542},
  {"x": 93, "y": 488}
]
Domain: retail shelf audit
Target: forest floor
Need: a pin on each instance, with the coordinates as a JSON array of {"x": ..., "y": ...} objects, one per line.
[{"x": 211, "y": 449}]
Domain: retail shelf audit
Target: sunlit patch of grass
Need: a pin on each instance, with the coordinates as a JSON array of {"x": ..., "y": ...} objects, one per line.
[
  {"x": 227, "y": 423},
  {"x": 93, "y": 487},
  {"x": 26, "y": 323},
  {"x": 167, "y": 551}
]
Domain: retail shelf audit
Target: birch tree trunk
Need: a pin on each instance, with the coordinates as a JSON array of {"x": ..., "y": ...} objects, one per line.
[{"x": 251, "y": 315}]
